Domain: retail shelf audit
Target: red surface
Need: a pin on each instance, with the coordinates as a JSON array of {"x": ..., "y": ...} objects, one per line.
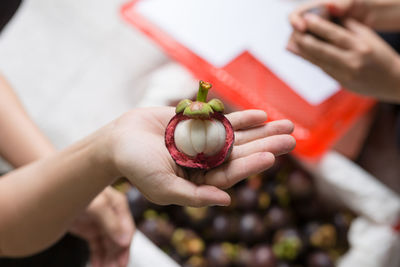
[
  {"x": 201, "y": 161},
  {"x": 246, "y": 83}
]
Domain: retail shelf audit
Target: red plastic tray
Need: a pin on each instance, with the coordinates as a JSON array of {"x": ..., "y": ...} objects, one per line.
[{"x": 246, "y": 83}]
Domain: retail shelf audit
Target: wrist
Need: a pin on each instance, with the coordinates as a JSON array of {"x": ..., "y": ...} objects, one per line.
[{"x": 101, "y": 152}]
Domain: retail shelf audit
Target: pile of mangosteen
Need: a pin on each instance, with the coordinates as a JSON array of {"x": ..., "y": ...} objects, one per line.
[{"x": 276, "y": 219}]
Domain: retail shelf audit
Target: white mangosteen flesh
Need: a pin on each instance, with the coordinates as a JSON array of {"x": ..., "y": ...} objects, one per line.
[{"x": 196, "y": 136}]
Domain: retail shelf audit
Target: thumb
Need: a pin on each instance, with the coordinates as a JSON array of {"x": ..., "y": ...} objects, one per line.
[{"x": 186, "y": 193}]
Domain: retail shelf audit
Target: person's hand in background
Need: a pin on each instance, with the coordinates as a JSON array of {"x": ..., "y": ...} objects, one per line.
[
  {"x": 108, "y": 228},
  {"x": 382, "y": 15},
  {"x": 139, "y": 153},
  {"x": 352, "y": 54}
]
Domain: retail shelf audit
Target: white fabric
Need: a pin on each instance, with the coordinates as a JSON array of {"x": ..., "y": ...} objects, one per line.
[{"x": 145, "y": 254}]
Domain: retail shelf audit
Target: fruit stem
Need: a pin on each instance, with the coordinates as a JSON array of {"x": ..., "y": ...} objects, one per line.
[{"x": 203, "y": 91}]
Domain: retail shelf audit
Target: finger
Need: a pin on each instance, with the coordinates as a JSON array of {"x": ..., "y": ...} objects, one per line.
[
  {"x": 268, "y": 129},
  {"x": 296, "y": 17},
  {"x": 111, "y": 253},
  {"x": 357, "y": 27},
  {"x": 329, "y": 31},
  {"x": 110, "y": 223},
  {"x": 297, "y": 21},
  {"x": 319, "y": 52},
  {"x": 185, "y": 193},
  {"x": 277, "y": 145},
  {"x": 247, "y": 118},
  {"x": 96, "y": 252},
  {"x": 123, "y": 258},
  {"x": 292, "y": 46},
  {"x": 126, "y": 225},
  {"x": 236, "y": 170}
]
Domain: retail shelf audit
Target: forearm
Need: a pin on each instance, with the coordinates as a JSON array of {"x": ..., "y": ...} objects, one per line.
[
  {"x": 39, "y": 201},
  {"x": 20, "y": 139}
]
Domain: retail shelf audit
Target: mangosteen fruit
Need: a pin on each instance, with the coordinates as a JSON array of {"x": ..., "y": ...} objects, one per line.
[
  {"x": 137, "y": 202},
  {"x": 299, "y": 185},
  {"x": 342, "y": 221},
  {"x": 223, "y": 227},
  {"x": 247, "y": 198},
  {"x": 251, "y": 227},
  {"x": 319, "y": 259},
  {"x": 187, "y": 242},
  {"x": 262, "y": 256},
  {"x": 277, "y": 218},
  {"x": 322, "y": 236},
  {"x": 220, "y": 254},
  {"x": 195, "y": 261},
  {"x": 199, "y": 136},
  {"x": 157, "y": 229},
  {"x": 243, "y": 257},
  {"x": 287, "y": 244}
]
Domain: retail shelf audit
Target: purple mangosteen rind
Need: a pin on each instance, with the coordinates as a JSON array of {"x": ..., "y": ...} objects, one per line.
[{"x": 213, "y": 110}]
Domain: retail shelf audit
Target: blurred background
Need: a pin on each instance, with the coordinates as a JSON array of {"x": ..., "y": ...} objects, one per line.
[{"x": 76, "y": 65}]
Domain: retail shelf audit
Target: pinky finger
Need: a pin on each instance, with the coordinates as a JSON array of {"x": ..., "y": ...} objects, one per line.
[{"x": 236, "y": 170}]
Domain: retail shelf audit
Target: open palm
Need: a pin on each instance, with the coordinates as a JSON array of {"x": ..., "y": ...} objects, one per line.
[{"x": 142, "y": 157}]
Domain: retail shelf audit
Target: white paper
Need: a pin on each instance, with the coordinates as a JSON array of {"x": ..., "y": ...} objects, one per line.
[{"x": 220, "y": 30}]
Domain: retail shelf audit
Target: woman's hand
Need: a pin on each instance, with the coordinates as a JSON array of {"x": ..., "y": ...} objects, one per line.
[
  {"x": 382, "y": 15},
  {"x": 139, "y": 153},
  {"x": 354, "y": 55},
  {"x": 108, "y": 228},
  {"x": 337, "y": 8}
]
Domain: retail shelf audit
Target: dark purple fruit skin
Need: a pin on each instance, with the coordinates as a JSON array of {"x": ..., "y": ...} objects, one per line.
[
  {"x": 244, "y": 257},
  {"x": 217, "y": 256},
  {"x": 309, "y": 209},
  {"x": 198, "y": 223},
  {"x": 251, "y": 228},
  {"x": 342, "y": 222},
  {"x": 221, "y": 227},
  {"x": 283, "y": 264},
  {"x": 262, "y": 256},
  {"x": 247, "y": 198},
  {"x": 300, "y": 185},
  {"x": 157, "y": 230},
  {"x": 137, "y": 202},
  {"x": 319, "y": 259},
  {"x": 277, "y": 218}
]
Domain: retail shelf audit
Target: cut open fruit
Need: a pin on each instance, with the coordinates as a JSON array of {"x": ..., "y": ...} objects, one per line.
[{"x": 199, "y": 135}]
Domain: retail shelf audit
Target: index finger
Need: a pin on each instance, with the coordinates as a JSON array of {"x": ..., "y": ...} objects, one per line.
[
  {"x": 296, "y": 17},
  {"x": 329, "y": 31},
  {"x": 247, "y": 118}
]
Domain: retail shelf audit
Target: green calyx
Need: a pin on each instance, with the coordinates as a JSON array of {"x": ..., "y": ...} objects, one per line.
[{"x": 199, "y": 108}]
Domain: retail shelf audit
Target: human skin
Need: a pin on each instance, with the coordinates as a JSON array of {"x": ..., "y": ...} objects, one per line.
[
  {"x": 54, "y": 190},
  {"x": 106, "y": 224},
  {"x": 353, "y": 53},
  {"x": 381, "y": 15}
]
